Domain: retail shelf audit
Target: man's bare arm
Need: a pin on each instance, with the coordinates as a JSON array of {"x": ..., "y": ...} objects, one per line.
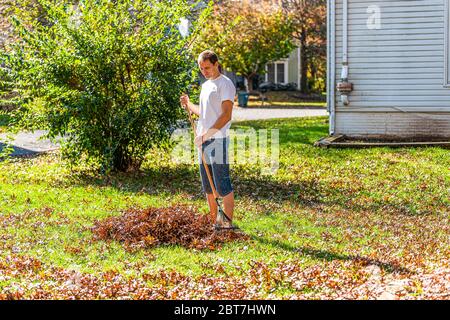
[
  {"x": 224, "y": 118},
  {"x": 194, "y": 108}
]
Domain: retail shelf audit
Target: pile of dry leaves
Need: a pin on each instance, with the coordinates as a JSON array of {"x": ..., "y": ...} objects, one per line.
[{"x": 177, "y": 225}]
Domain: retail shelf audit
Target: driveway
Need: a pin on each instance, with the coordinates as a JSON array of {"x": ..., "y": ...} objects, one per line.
[{"x": 28, "y": 143}]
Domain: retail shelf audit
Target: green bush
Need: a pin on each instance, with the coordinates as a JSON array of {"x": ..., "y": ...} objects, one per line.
[
  {"x": 105, "y": 74},
  {"x": 8, "y": 98}
]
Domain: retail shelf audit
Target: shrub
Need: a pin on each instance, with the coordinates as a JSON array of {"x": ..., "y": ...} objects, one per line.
[{"x": 105, "y": 74}]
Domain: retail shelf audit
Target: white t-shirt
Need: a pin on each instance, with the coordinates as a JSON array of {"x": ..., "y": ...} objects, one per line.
[{"x": 213, "y": 93}]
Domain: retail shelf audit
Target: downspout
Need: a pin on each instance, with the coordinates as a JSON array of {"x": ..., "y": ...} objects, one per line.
[
  {"x": 344, "y": 87},
  {"x": 331, "y": 62}
]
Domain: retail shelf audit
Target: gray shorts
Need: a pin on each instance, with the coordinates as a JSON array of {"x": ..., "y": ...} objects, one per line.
[{"x": 216, "y": 157}]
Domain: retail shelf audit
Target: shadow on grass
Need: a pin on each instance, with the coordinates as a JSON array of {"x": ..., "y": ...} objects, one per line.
[
  {"x": 21, "y": 152},
  {"x": 330, "y": 256},
  {"x": 185, "y": 179},
  {"x": 307, "y": 193},
  {"x": 179, "y": 179}
]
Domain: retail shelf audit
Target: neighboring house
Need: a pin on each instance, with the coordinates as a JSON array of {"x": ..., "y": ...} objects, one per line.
[
  {"x": 285, "y": 70},
  {"x": 282, "y": 71},
  {"x": 389, "y": 68}
]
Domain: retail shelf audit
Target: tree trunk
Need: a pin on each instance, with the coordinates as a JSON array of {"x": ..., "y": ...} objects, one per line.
[
  {"x": 313, "y": 75},
  {"x": 122, "y": 160},
  {"x": 249, "y": 84},
  {"x": 304, "y": 63}
]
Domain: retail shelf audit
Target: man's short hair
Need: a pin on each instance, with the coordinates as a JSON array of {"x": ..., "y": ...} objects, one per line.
[{"x": 208, "y": 55}]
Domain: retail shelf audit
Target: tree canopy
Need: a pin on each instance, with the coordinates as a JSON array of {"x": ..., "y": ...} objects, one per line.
[{"x": 246, "y": 37}]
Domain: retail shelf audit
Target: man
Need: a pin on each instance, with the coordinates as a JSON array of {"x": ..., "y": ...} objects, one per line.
[{"x": 215, "y": 110}]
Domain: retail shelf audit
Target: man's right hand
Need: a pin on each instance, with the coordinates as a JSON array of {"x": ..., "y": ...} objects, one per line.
[{"x": 184, "y": 100}]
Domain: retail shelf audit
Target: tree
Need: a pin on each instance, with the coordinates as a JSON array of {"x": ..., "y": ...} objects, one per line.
[
  {"x": 309, "y": 20},
  {"x": 247, "y": 37},
  {"x": 106, "y": 74},
  {"x": 8, "y": 97},
  {"x": 6, "y": 89}
]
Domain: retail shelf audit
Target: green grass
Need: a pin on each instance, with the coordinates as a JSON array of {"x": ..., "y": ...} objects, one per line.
[
  {"x": 388, "y": 207},
  {"x": 286, "y": 99}
]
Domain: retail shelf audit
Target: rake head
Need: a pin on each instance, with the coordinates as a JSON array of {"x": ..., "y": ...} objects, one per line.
[{"x": 222, "y": 218}]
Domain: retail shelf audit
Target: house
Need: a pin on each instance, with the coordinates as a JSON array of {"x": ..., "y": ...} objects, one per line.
[
  {"x": 285, "y": 70},
  {"x": 389, "y": 68},
  {"x": 282, "y": 71}
]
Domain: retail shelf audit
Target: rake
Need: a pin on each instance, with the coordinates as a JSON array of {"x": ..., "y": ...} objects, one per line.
[{"x": 221, "y": 215}]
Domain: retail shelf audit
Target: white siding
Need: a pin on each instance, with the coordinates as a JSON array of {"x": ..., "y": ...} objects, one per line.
[
  {"x": 398, "y": 71},
  {"x": 447, "y": 44},
  {"x": 293, "y": 66},
  {"x": 391, "y": 125}
]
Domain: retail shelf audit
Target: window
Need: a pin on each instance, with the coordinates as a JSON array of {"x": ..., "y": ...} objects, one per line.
[
  {"x": 280, "y": 72},
  {"x": 447, "y": 45},
  {"x": 277, "y": 72}
]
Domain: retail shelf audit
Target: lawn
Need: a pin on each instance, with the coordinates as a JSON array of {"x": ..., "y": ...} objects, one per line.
[
  {"x": 331, "y": 223},
  {"x": 288, "y": 99}
]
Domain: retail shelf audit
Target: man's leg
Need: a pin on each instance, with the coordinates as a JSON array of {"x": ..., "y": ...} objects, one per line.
[
  {"x": 206, "y": 185},
  {"x": 212, "y": 206},
  {"x": 228, "y": 204},
  {"x": 221, "y": 176},
  {"x": 223, "y": 180}
]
